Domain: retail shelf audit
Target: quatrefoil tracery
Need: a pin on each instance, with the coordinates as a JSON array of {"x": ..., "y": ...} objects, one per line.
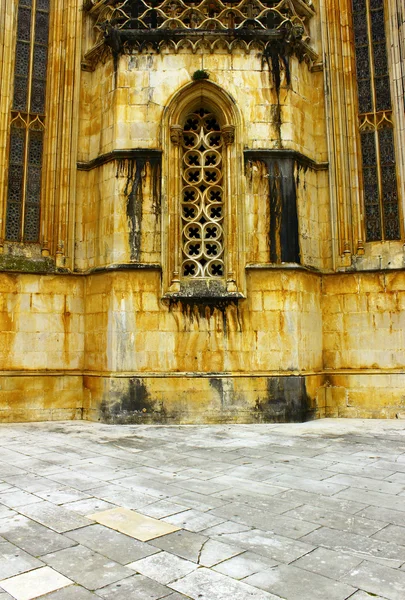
[{"x": 202, "y": 197}]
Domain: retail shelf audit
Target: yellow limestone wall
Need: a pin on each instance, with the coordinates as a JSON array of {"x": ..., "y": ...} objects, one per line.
[{"x": 97, "y": 343}]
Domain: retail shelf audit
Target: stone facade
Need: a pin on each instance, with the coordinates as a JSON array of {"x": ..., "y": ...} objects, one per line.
[{"x": 283, "y": 306}]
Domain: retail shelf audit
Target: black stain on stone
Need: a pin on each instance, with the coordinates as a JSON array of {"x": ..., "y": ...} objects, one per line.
[
  {"x": 287, "y": 400},
  {"x": 129, "y": 401},
  {"x": 283, "y": 234},
  {"x": 135, "y": 171}
]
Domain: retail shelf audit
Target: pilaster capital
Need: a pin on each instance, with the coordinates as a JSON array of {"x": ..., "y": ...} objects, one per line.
[
  {"x": 228, "y": 133},
  {"x": 176, "y": 132}
]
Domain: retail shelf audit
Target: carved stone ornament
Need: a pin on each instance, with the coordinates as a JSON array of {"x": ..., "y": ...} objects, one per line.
[
  {"x": 176, "y": 132},
  {"x": 228, "y": 134}
]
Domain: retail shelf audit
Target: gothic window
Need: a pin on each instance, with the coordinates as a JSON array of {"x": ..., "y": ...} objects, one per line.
[
  {"x": 202, "y": 197},
  {"x": 375, "y": 122},
  {"x": 27, "y": 121}
]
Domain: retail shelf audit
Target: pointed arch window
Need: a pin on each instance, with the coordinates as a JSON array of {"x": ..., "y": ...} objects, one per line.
[
  {"x": 375, "y": 122},
  {"x": 27, "y": 122},
  {"x": 202, "y": 197}
]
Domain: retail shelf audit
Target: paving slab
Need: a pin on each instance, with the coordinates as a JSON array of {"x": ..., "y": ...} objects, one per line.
[
  {"x": 377, "y": 579},
  {"x": 133, "y": 524},
  {"x": 55, "y": 517},
  {"x": 328, "y": 563},
  {"x": 293, "y": 583},
  {"x": 14, "y": 561},
  {"x": 243, "y": 565},
  {"x": 112, "y": 544},
  {"x": 86, "y": 567},
  {"x": 357, "y": 545},
  {"x": 72, "y": 592},
  {"x": 137, "y": 587},
  {"x": 321, "y": 504},
  {"x": 34, "y": 584},
  {"x": 163, "y": 567},
  {"x": 205, "y": 584}
]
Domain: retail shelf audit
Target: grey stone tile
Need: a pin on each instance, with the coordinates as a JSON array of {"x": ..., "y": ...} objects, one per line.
[
  {"x": 205, "y": 584},
  {"x": 272, "y": 504},
  {"x": 328, "y": 562},
  {"x": 163, "y": 567},
  {"x": 32, "y": 483},
  {"x": 34, "y": 583},
  {"x": 55, "y": 517},
  {"x": 391, "y": 533},
  {"x": 357, "y": 545},
  {"x": 63, "y": 495},
  {"x": 280, "y": 524},
  {"x": 182, "y": 543},
  {"x": 195, "y": 485},
  {"x": 149, "y": 486},
  {"x": 372, "y": 471},
  {"x": 269, "y": 545},
  {"x": 76, "y": 480},
  {"x": 373, "y": 498},
  {"x": 87, "y": 507},
  {"x": 309, "y": 485},
  {"x": 72, "y": 592},
  {"x": 202, "y": 502},
  {"x": 226, "y": 527},
  {"x": 117, "y": 546},
  {"x": 385, "y": 515},
  {"x": 137, "y": 587},
  {"x": 365, "y": 483},
  {"x": 120, "y": 496},
  {"x": 360, "y": 595},
  {"x": 32, "y": 537},
  {"x": 293, "y": 583},
  {"x": 6, "y": 512},
  {"x": 14, "y": 498},
  {"x": 161, "y": 509},
  {"x": 194, "y": 520},
  {"x": 251, "y": 488},
  {"x": 174, "y": 596},
  {"x": 89, "y": 569},
  {"x": 248, "y": 563},
  {"x": 377, "y": 579},
  {"x": 14, "y": 561},
  {"x": 336, "y": 519},
  {"x": 212, "y": 552},
  {"x": 331, "y": 503},
  {"x": 396, "y": 478}
]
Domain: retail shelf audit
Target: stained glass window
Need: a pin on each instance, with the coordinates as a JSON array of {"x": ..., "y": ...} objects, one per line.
[
  {"x": 375, "y": 119},
  {"x": 27, "y": 121}
]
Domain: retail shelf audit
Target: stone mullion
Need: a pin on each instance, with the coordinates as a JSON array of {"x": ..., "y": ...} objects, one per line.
[
  {"x": 67, "y": 144},
  {"x": 176, "y": 133},
  {"x": 8, "y": 28},
  {"x": 396, "y": 56},
  {"x": 342, "y": 128},
  {"x": 51, "y": 155},
  {"x": 353, "y": 142},
  {"x": 228, "y": 134}
]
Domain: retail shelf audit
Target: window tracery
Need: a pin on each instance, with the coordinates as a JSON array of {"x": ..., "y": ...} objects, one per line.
[
  {"x": 375, "y": 122},
  {"x": 27, "y": 121},
  {"x": 202, "y": 197}
]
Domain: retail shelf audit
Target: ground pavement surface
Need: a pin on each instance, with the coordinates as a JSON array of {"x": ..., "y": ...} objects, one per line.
[{"x": 312, "y": 511}]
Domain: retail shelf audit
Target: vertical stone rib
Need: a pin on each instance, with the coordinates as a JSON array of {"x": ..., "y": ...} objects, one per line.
[
  {"x": 8, "y": 28},
  {"x": 396, "y": 57}
]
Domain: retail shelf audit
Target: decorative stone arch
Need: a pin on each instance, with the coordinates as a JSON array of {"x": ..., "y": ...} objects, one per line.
[{"x": 191, "y": 98}]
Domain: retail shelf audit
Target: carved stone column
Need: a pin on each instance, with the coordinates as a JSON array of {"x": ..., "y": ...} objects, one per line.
[
  {"x": 228, "y": 134},
  {"x": 176, "y": 136}
]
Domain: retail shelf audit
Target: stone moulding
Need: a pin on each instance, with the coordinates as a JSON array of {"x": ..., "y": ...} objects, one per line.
[{"x": 131, "y": 26}]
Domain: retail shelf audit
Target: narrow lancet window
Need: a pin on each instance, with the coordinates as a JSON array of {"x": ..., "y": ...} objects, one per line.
[
  {"x": 375, "y": 122},
  {"x": 27, "y": 122},
  {"x": 202, "y": 214}
]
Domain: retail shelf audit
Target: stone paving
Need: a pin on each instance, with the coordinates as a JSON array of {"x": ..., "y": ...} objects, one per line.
[{"x": 312, "y": 511}]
